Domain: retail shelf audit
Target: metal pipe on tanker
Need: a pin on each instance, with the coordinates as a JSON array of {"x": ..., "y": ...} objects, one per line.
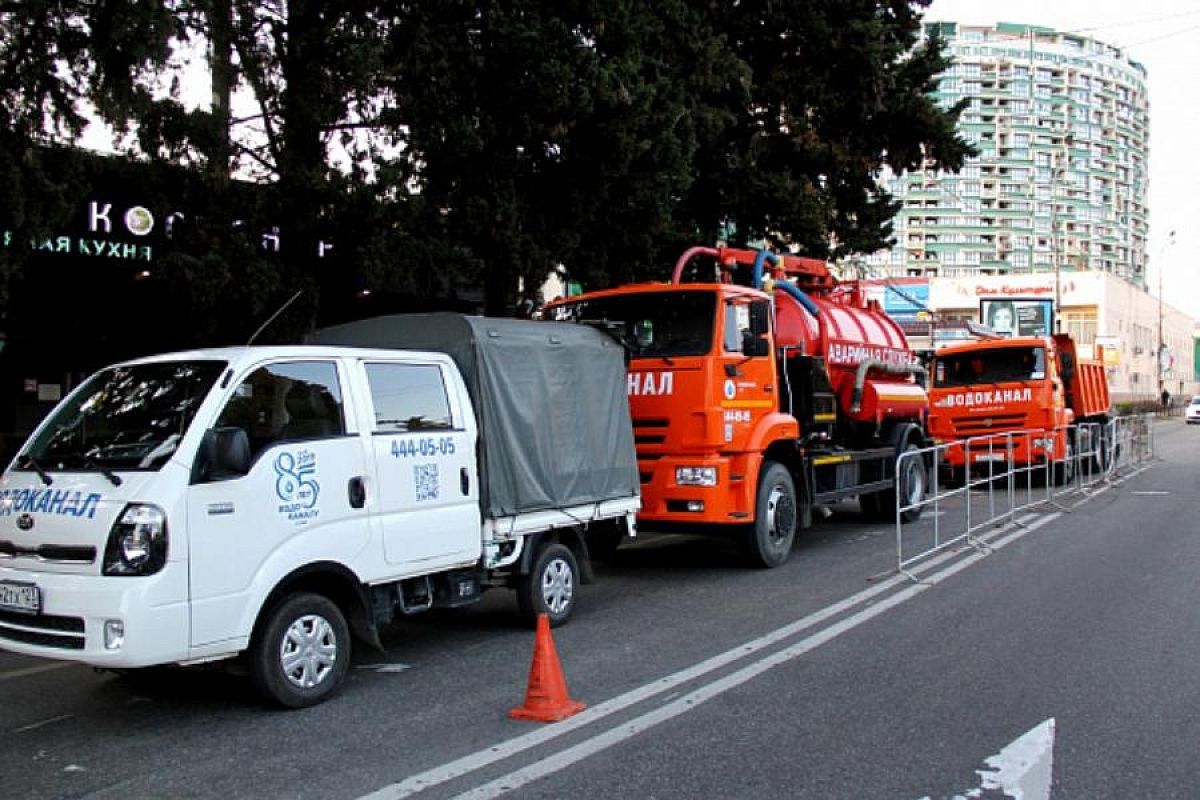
[
  {"x": 688, "y": 255},
  {"x": 860, "y": 377}
]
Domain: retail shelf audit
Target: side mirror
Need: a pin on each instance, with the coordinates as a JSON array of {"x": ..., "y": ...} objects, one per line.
[
  {"x": 760, "y": 319},
  {"x": 224, "y": 453}
]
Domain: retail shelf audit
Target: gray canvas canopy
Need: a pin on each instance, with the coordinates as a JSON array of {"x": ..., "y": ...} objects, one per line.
[{"x": 550, "y": 397}]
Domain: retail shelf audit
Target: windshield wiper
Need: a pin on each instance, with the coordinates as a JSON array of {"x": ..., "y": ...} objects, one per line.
[
  {"x": 30, "y": 461},
  {"x": 92, "y": 463}
]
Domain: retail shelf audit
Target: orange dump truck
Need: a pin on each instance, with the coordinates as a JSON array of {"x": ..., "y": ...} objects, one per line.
[
  {"x": 1032, "y": 384},
  {"x": 761, "y": 392}
]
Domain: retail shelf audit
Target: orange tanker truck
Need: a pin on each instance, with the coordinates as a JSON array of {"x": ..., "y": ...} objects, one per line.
[
  {"x": 761, "y": 392},
  {"x": 1036, "y": 385}
]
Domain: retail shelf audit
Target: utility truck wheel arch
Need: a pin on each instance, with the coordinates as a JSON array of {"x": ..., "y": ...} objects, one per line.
[
  {"x": 767, "y": 542},
  {"x": 301, "y": 651}
]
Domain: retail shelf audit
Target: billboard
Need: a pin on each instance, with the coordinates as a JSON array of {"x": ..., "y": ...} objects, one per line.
[
  {"x": 906, "y": 301},
  {"x": 1017, "y": 316}
]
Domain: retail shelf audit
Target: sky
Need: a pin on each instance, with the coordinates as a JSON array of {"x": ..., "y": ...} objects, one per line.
[{"x": 1164, "y": 36}]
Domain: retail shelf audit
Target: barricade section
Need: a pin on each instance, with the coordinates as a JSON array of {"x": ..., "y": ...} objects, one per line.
[{"x": 984, "y": 481}]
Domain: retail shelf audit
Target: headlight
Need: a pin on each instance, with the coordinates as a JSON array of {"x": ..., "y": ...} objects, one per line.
[
  {"x": 137, "y": 543},
  {"x": 696, "y": 476}
]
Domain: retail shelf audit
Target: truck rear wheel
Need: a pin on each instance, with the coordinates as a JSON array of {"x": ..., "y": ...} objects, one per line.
[
  {"x": 912, "y": 483},
  {"x": 300, "y": 653},
  {"x": 768, "y": 541},
  {"x": 912, "y": 480},
  {"x": 551, "y": 587}
]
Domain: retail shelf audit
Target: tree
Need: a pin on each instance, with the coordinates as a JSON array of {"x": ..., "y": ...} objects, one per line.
[
  {"x": 840, "y": 89},
  {"x": 607, "y": 135},
  {"x": 539, "y": 134},
  {"x": 452, "y": 145}
]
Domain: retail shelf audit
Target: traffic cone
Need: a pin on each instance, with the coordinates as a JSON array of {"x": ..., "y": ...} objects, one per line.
[{"x": 546, "y": 699}]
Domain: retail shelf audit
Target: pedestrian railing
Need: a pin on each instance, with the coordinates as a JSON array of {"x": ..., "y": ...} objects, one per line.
[{"x": 978, "y": 483}]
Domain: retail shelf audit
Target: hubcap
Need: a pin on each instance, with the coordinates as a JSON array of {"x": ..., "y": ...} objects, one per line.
[
  {"x": 781, "y": 515},
  {"x": 308, "y": 651},
  {"x": 558, "y": 586},
  {"x": 914, "y": 484}
]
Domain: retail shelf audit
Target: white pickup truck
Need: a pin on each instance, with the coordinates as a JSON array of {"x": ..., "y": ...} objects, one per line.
[{"x": 267, "y": 501}]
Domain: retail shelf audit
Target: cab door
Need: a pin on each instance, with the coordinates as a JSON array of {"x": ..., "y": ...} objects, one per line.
[
  {"x": 422, "y": 440},
  {"x": 300, "y": 501}
]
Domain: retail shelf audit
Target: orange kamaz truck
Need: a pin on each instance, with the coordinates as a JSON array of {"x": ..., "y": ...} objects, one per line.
[
  {"x": 761, "y": 388},
  {"x": 1035, "y": 385}
]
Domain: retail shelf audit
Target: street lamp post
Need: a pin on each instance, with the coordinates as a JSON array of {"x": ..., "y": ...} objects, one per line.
[
  {"x": 1056, "y": 173},
  {"x": 1158, "y": 353}
]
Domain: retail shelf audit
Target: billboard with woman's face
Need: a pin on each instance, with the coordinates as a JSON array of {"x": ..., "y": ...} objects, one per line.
[{"x": 1016, "y": 317}]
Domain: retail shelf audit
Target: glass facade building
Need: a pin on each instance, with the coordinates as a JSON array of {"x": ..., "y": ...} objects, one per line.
[{"x": 1060, "y": 121}]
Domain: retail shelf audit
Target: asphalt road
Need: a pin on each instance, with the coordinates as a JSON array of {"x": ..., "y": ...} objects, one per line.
[{"x": 1062, "y": 654}]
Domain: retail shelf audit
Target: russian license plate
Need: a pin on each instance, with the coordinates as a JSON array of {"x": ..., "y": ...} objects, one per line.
[
  {"x": 989, "y": 457},
  {"x": 25, "y": 598}
]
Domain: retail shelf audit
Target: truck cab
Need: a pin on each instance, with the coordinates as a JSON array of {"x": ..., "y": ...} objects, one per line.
[
  {"x": 161, "y": 512},
  {"x": 703, "y": 393},
  {"x": 1034, "y": 388}
]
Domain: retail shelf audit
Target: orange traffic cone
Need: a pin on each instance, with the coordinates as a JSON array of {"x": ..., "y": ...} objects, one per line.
[{"x": 546, "y": 699}]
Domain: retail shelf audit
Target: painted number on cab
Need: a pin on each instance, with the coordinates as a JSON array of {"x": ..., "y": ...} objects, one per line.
[{"x": 425, "y": 447}]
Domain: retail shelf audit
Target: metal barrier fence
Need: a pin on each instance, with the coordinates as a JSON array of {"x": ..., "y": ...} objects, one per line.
[{"x": 980, "y": 482}]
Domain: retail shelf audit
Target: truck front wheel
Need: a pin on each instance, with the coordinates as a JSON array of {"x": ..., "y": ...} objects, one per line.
[
  {"x": 301, "y": 652},
  {"x": 551, "y": 586},
  {"x": 768, "y": 541}
]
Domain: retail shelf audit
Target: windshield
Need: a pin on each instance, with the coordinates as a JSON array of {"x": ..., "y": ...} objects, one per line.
[
  {"x": 128, "y": 418},
  {"x": 990, "y": 366},
  {"x": 652, "y": 324}
]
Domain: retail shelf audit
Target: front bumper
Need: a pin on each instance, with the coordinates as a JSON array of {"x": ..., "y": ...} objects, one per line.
[
  {"x": 75, "y": 608},
  {"x": 730, "y": 501}
]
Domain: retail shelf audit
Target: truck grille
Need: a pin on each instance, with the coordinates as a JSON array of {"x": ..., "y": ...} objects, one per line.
[
  {"x": 650, "y": 432},
  {"x": 45, "y": 630},
  {"x": 49, "y": 552},
  {"x": 983, "y": 426}
]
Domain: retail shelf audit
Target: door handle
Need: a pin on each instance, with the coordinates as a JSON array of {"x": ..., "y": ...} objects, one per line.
[
  {"x": 464, "y": 481},
  {"x": 357, "y": 491}
]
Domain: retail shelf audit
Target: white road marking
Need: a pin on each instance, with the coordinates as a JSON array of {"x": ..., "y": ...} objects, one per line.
[
  {"x": 688, "y": 702},
  {"x": 385, "y": 668},
  {"x": 1023, "y": 770},
  {"x": 34, "y": 726},
  {"x": 1148, "y": 494},
  {"x": 474, "y": 761}
]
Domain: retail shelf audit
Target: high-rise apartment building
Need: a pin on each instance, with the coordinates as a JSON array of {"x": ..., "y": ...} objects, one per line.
[{"x": 1060, "y": 122}]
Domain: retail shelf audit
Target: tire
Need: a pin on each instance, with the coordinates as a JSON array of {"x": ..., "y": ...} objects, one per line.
[
  {"x": 913, "y": 481},
  {"x": 301, "y": 651},
  {"x": 551, "y": 587},
  {"x": 768, "y": 541}
]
